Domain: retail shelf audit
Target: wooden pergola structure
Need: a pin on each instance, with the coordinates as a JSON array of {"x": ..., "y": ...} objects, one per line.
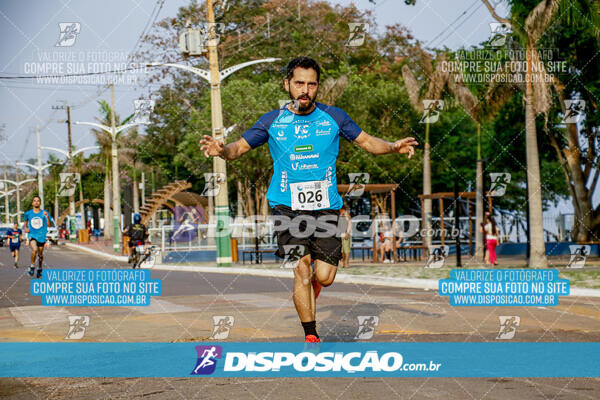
[
  {"x": 379, "y": 194},
  {"x": 160, "y": 198},
  {"x": 441, "y": 196}
]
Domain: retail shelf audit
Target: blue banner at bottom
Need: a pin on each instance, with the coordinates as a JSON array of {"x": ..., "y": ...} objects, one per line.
[{"x": 364, "y": 359}]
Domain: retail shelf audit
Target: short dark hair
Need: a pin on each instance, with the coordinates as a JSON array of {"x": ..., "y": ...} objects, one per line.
[
  {"x": 302, "y": 62},
  {"x": 35, "y": 197}
]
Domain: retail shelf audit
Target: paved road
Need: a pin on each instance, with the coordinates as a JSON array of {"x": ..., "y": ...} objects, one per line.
[{"x": 263, "y": 311}]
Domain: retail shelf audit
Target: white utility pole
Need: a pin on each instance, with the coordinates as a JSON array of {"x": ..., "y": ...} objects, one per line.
[{"x": 39, "y": 168}]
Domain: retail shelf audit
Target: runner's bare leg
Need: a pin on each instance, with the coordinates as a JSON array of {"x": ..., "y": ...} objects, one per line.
[
  {"x": 304, "y": 296},
  {"x": 34, "y": 250},
  {"x": 40, "y": 256},
  {"x": 325, "y": 272}
]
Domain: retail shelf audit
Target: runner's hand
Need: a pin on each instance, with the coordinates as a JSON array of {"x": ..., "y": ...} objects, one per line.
[
  {"x": 211, "y": 147},
  {"x": 405, "y": 146}
]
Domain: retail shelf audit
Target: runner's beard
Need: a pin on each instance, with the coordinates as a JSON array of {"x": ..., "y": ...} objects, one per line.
[{"x": 298, "y": 106}]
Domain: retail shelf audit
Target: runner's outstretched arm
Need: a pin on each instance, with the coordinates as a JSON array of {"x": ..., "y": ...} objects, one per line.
[
  {"x": 232, "y": 151},
  {"x": 50, "y": 220},
  {"x": 379, "y": 146}
]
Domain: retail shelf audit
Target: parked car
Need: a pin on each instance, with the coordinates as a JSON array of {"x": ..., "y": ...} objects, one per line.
[
  {"x": 4, "y": 235},
  {"x": 52, "y": 235}
]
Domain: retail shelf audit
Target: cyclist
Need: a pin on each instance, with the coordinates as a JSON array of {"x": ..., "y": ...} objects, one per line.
[{"x": 138, "y": 233}]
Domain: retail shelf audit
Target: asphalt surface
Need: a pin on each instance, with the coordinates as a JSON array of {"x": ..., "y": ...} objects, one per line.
[{"x": 263, "y": 311}]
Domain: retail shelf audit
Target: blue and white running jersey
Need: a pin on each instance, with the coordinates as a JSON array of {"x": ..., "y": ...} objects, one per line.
[
  {"x": 38, "y": 225},
  {"x": 304, "y": 149}
]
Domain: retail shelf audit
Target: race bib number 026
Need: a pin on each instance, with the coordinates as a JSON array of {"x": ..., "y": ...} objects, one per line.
[{"x": 313, "y": 195}]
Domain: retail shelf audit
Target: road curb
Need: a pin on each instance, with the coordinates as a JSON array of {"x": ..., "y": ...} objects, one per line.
[
  {"x": 97, "y": 252},
  {"x": 425, "y": 284},
  {"x": 408, "y": 283}
]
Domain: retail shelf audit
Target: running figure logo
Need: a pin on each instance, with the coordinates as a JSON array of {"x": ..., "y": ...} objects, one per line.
[
  {"x": 187, "y": 219},
  {"x": 508, "y": 326},
  {"x": 578, "y": 255},
  {"x": 143, "y": 109},
  {"x": 574, "y": 111},
  {"x": 499, "y": 34},
  {"x": 207, "y": 359},
  {"x": 293, "y": 254},
  {"x": 358, "y": 32},
  {"x": 366, "y": 326},
  {"x": 68, "y": 183},
  {"x": 499, "y": 182},
  {"x": 437, "y": 256},
  {"x": 68, "y": 33},
  {"x": 358, "y": 182},
  {"x": 222, "y": 326},
  {"x": 77, "y": 325},
  {"x": 212, "y": 187},
  {"x": 431, "y": 111}
]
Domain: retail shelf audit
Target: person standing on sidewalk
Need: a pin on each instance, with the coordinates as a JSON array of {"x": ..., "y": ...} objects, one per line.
[
  {"x": 346, "y": 236},
  {"x": 491, "y": 234}
]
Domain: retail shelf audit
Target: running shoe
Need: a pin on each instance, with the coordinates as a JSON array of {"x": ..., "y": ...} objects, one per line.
[
  {"x": 16, "y": 265},
  {"x": 312, "y": 344},
  {"x": 31, "y": 270},
  {"x": 312, "y": 339},
  {"x": 39, "y": 273}
]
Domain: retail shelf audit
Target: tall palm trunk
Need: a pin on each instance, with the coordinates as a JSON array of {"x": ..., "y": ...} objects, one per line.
[
  {"x": 479, "y": 199},
  {"x": 534, "y": 191},
  {"x": 81, "y": 208},
  {"x": 108, "y": 230},
  {"x": 136, "y": 194},
  {"x": 427, "y": 186}
]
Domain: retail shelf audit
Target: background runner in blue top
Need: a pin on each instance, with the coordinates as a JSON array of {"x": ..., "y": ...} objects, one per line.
[{"x": 37, "y": 222}]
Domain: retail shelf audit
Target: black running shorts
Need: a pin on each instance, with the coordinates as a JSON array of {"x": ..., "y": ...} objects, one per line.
[{"x": 327, "y": 249}]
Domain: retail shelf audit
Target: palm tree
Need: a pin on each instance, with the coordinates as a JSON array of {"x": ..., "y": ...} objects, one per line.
[
  {"x": 473, "y": 108},
  {"x": 436, "y": 81},
  {"x": 129, "y": 154},
  {"x": 104, "y": 141},
  {"x": 538, "y": 100}
]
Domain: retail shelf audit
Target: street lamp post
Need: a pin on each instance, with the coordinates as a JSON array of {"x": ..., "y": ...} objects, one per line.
[
  {"x": 18, "y": 190},
  {"x": 5, "y": 193},
  {"x": 116, "y": 195},
  {"x": 69, "y": 155},
  {"x": 39, "y": 168},
  {"x": 215, "y": 77}
]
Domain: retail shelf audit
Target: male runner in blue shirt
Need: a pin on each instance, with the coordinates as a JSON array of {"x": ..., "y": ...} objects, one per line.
[
  {"x": 36, "y": 227},
  {"x": 14, "y": 239},
  {"x": 303, "y": 139}
]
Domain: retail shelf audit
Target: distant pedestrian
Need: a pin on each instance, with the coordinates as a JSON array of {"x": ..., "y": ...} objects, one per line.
[
  {"x": 491, "y": 234},
  {"x": 346, "y": 225}
]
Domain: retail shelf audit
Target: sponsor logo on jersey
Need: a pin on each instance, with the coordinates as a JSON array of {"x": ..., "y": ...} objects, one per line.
[
  {"x": 320, "y": 132},
  {"x": 298, "y": 157},
  {"x": 306, "y": 147}
]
